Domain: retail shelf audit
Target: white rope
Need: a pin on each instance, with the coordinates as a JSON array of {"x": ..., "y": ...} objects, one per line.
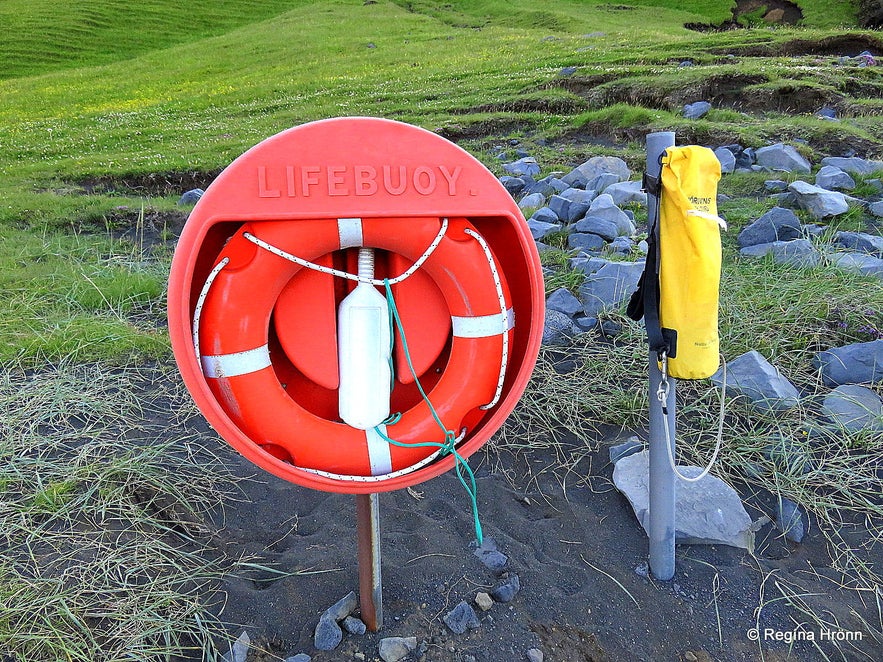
[
  {"x": 662, "y": 394},
  {"x": 344, "y": 274},
  {"x": 504, "y": 361},
  {"x": 200, "y": 302}
]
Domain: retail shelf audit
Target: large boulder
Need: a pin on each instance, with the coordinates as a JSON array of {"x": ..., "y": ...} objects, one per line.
[
  {"x": 778, "y": 224},
  {"x": 595, "y": 166},
  {"x": 859, "y": 363},
  {"x": 752, "y": 376},
  {"x": 818, "y": 201},
  {"x": 797, "y": 253},
  {"x": 609, "y": 286},
  {"x": 854, "y": 408},
  {"x": 854, "y": 165},
  {"x": 782, "y": 157},
  {"x": 833, "y": 178},
  {"x": 707, "y": 511}
]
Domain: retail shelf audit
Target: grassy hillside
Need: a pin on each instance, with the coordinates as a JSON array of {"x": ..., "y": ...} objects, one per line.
[{"x": 41, "y": 35}]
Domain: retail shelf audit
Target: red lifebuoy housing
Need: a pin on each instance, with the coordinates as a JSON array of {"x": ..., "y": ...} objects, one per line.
[
  {"x": 233, "y": 338},
  {"x": 264, "y": 368}
]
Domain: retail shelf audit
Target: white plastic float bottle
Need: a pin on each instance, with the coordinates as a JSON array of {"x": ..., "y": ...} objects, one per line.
[{"x": 364, "y": 351}]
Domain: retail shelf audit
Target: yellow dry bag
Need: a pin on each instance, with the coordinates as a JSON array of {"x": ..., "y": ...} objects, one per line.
[{"x": 679, "y": 291}]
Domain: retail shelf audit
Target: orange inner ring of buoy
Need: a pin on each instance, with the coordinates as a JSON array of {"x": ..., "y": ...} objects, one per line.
[{"x": 294, "y": 417}]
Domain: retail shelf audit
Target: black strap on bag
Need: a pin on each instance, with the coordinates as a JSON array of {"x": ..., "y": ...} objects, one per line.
[{"x": 645, "y": 300}]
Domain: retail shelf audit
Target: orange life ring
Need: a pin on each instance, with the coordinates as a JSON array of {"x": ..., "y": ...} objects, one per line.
[{"x": 234, "y": 318}]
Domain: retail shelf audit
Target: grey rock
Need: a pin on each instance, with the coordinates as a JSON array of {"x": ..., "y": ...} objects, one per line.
[
  {"x": 328, "y": 634},
  {"x": 832, "y": 178},
  {"x": 782, "y": 157},
  {"x": 598, "y": 165},
  {"x": 853, "y": 165},
  {"x": 342, "y": 608},
  {"x": 630, "y": 446},
  {"x": 752, "y": 376},
  {"x": 576, "y": 211},
  {"x": 706, "y": 512},
  {"x": 579, "y": 195},
  {"x": 606, "y": 229},
  {"x": 540, "y": 230},
  {"x": 585, "y": 242},
  {"x": 745, "y": 159},
  {"x": 859, "y": 363},
  {"x": 602, "y": 181},
  {"x": 693, "y": 111},
  {"x": 562, "y": 300},
  {"x": 584, "y": 323},
  {"x": 875, "y": 184},
  {"x": 300, "y": 657},
  {"x": 507, "y": 591},
  {"x": 798, "y": 253},
  {"x": 560, "y": 206},
  {"x": 854, "y": 408},
  {"x": 354, "y": 625},
  {"x": 621, "y": 246},
  {"x": 609, "y": 286},
  {"x": 789, "y": 519},
  {"x": 860, "y": 241},
  {"x": 567, "y": 71},
  {"x": 685, "y": 63},
  {"x": 543, "y": 187},
  {"x": 588, "y": 265},
  {"x": 239, "y": 650},
  {"x": 727, "y": 160},
  {"x": 876, "y": 208},
  {"x": 490, "y": 556},
  {"x": 557, "y": 183},
  {"x": 604, "y": 207},
  {"x": 393, "y": 649},
  {"x": 461, "y": 618},
  {"x": 778, "y": 224},
  {"x": 610, "y": 328},
  {"x": 785, "y": 199},
  {"x": 557, "y": 328},
  {"x": 525, "y": 166},
  {"x": 514, "y": 185},
  {"x": 535, "y": 655},
  {"x": 818, "y": 201},
  {"x": 190, "y": 197},
  {"x": 860, "y": 263},
  {"x": 625, "y": 192},
  {"x": 532, "y": 201},
  {"x": 827, "y": 112},
  {"x": 775, "y": 185},
  {"x": 545, "y": 215}
]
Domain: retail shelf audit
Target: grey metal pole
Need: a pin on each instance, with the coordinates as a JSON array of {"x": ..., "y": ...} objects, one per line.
[{"x": 662, "y": 478}]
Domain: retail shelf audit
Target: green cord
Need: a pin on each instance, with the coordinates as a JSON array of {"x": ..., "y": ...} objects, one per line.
[{"x": 450, "y": 437}]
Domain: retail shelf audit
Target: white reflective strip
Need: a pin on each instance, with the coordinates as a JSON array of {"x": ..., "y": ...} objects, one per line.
[
  {"x": 378, "y": 452},
  {"x": 240, "y": 363},
  {"x": 350, "y": 232},
  {"x": 482, "y": 326}
]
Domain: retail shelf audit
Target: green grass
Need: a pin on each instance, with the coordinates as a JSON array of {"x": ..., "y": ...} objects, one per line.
[{"x": 95, "y": 510}]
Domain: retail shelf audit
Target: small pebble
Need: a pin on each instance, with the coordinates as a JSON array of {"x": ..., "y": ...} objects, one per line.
[
  {"x": 484, "y": 601},
  {"x": 328, "y": 634},
  {"x": 507, "y": 591},
  {"x": 690, "y": 656},
  {"x": 300, "y": 657},
  {"x": 354, "y": 625},
  {"x": 535, "y": 655}
]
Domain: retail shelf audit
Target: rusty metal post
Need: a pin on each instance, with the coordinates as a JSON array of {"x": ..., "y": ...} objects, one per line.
[{"x": 370, "y": 585}]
